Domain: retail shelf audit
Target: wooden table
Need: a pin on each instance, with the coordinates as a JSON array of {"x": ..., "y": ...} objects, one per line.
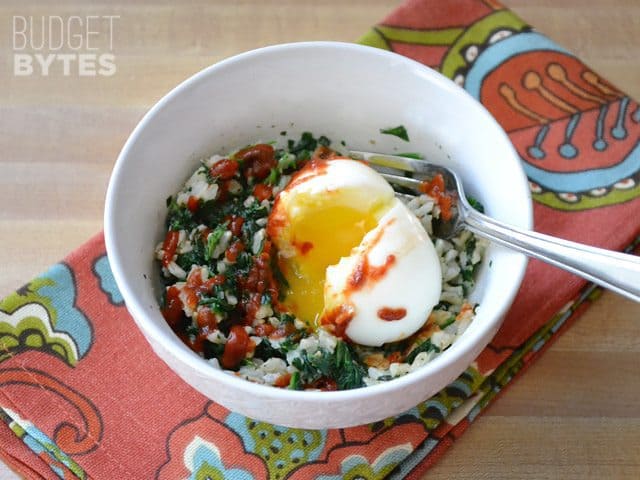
[{"x": 575, "y": 414}]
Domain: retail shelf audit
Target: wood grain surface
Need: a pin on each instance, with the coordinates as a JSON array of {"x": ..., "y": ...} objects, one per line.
[{"x": 576, "y": 412}]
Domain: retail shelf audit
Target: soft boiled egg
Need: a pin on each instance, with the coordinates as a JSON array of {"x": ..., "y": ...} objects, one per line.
[{"x": 357, "y": 261}]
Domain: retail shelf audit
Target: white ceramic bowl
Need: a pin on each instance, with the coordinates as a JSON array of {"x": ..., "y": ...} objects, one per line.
[{"x": 346, "y": 92}]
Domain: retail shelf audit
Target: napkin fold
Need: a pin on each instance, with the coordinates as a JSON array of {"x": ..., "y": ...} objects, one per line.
[{"x": 83, "y": 396}]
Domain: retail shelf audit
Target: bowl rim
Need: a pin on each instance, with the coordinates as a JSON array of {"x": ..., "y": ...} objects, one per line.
[{"x": 153, "y": 332}]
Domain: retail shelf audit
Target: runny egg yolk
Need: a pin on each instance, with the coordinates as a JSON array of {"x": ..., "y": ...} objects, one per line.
[
  {"x": 356, "y": 260},
  {"x": 323, "y": 214},
  {"x": 321, "y": 236}
]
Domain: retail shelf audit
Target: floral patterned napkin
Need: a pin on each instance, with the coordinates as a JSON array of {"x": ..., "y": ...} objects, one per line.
[{"x": 82, "y": 394}]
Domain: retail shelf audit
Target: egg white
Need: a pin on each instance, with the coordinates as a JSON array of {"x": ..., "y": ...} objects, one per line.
[{"x": 412, "y": 282}]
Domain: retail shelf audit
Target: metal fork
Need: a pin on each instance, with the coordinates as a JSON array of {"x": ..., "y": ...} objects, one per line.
[{"x": 613, "y": 270}]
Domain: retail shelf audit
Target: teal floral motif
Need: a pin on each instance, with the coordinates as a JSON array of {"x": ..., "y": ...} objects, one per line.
[
  {"x": 357, "y": 467},
  {"x": 204, "y": 447},
  {"x": 43, "y": 316},
  {"x": 434, "y": 411},
  {"x": 102, "y": 270},
  {"x": 283, "y": 449},
  {"x": 203, "y": 461}
]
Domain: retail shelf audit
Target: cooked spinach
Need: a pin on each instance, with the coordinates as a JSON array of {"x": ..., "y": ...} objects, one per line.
[
  {"x": 400, "y": 131},
  {"x": 447, "y": 321},
  {"x": 274, "y": 176},
  {"x": 212, "y": 241},
  {"x": 475, "y": 203},
  {"x": 295, "y": 383},
  {"x": 303, "y": 148},
  {"x": 179, "y": 217},
  {"x": 265, "y": 350},
  {"x": 286, "y": 161},
  {"x": 215, "y": 303},
  {"x": 313, "y": 367},
  {"x": 348, "y": 372},
  {"x": 194, "y": 257},
  {"x": 212, "y": 350},
  {"x": 341, "y": 366},
  {"x": 286, "y": 318},
  {"x": 425, "y": 346},
  {"x": 415, "y": 156},
  {"x": 324, "y": 141},
  {"x": 467, "y": 274},
  {"x": 291, "y": 342},
  {"x": 470, "y": 245}
]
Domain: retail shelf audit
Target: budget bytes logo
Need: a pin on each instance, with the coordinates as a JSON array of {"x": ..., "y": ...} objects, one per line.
[{"x": 73, "y": 45}]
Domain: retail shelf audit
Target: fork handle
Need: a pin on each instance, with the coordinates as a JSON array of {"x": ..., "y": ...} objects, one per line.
[{"x": 613, "y": 270}]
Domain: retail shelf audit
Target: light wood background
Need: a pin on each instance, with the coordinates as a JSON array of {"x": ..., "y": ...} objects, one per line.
[{"x": 575, "y": 414}]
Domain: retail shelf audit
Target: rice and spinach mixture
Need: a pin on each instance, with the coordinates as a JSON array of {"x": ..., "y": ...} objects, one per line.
[{"x": 224, "y": 290}]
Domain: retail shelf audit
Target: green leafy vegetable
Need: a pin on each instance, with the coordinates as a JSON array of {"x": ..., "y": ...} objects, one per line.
[
  {"x": 470, "y": 245},
  {"x": 467, "y": 274},
  {"x": 212, "y": 241},
  {"x": 211, "y": 179},
  {"x": 212, "y": 350},
  {"x": 425, "y": 346},
  {"x": 215, "y": 213},
  {"x": 442, "y": 305},
  {"x": 178, "y": 217},
  {"x": 295, "y": 383},
  {"x": 447, "y": 321},
  {"x": 475, "y": 203},
  {"x": 304, "y": 147},
  {"x": 348, "y": 373},
  {"x": 312, "y": 367},
  {"x": 286, "y": 161},
  {"x": 218, "y": 305},
  {"x": 236, "y": 271},
  {"x": 274, "y": 176},
  {"x": 400, "y": 131},
  {"x": 415, "y": 156},
  {"x": 191, "y": 329},
  {"x": 265, "y": 350},
  {"x": 291, "y": 342},
  {"x": 287, "y": 318},
  {"x": 195, "y": 256},
  {"x": 341, "y": 366},
  {"x": 324, "y": 141}
]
